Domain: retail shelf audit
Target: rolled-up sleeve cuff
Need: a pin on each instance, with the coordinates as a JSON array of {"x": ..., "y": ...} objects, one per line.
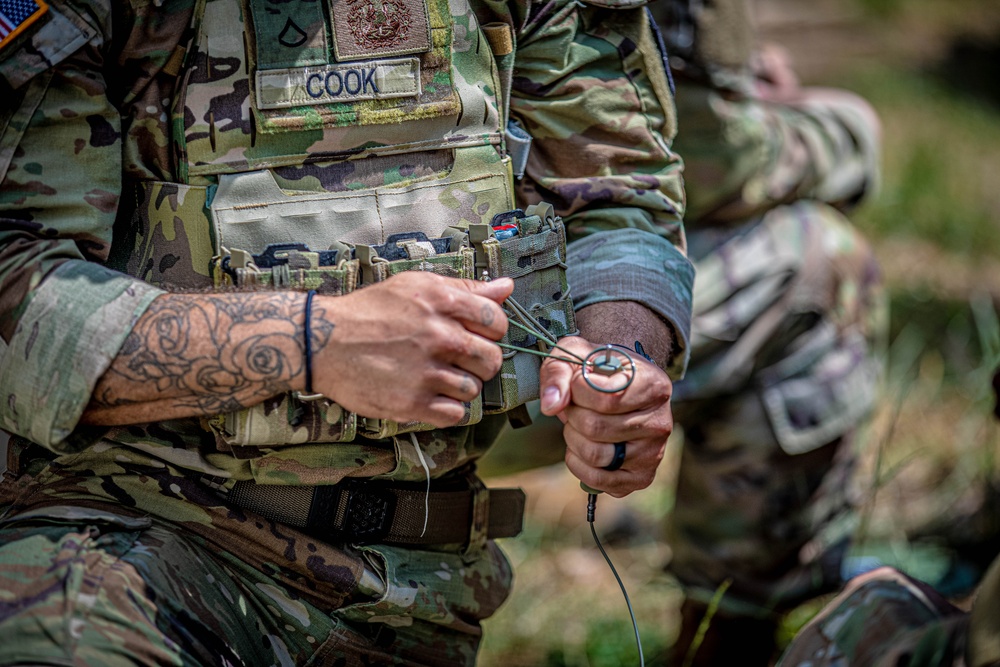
[
  {"x": 635, "y": 265},
  {"x": 72, "y": 329}
]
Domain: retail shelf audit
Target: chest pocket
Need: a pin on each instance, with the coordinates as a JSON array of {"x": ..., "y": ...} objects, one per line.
[{"x": 306, "y": 81}]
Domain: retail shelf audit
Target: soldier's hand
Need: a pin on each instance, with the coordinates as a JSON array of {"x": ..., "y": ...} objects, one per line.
[
  {"x": 414, "y": 347},
  {"x": 638, "y": 416},
  {"x": 775, "y": 77}
]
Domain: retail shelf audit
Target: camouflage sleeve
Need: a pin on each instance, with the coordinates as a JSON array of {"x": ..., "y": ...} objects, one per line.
[
  {"x": 63, "y": 316},
  {"x": 744, "y": 155},
  {"x": 591, "y": 89}
]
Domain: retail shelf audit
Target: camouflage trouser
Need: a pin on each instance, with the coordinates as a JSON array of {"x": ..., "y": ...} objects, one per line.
[
  {"x": 883, "y": 619},
  {"x": 169, "y": 576},
  {"x": 783, "y": 371}
]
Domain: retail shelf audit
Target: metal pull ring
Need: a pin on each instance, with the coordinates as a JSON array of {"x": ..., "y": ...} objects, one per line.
[{"x": 609, "y": 369}]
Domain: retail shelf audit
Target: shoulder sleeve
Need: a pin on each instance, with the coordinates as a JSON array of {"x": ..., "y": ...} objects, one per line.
[
  {"x": 591, "y": 89},
  {"x": 63, "y": 315},
  {"x": 59, "y": 32}
]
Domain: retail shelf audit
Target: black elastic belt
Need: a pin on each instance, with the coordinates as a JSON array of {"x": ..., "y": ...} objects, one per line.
[{"x": 368, "y": 512}]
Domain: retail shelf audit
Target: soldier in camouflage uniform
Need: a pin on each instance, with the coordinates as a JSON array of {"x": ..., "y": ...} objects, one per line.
[
  {"x": 786, "y": 316},
  {"x": 229, "y": 452}
]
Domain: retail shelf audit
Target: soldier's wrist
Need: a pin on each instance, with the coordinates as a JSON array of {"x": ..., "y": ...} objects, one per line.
[
  {"x": 637, "y": 348},
  {"x": 308, "y": 342}
]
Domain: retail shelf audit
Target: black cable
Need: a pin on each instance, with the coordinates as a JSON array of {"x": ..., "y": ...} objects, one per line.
[{"x": 591, "y": 507}]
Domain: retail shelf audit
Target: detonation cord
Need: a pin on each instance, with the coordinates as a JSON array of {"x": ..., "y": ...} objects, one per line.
[
  {"x": 591, "y": 506},
  {"x": 606, "y": 360}
]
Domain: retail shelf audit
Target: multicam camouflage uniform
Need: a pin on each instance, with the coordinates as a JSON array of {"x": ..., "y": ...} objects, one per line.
[
  {"x": 786, "y": 315},
  {"x": 886, "y": 619},
  {"x": 140, "y": 142}
]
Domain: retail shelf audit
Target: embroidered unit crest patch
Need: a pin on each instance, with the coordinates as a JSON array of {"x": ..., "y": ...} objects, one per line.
[
  {"x": 365, "y": 29},
  {"x": 16, "y": 15}
]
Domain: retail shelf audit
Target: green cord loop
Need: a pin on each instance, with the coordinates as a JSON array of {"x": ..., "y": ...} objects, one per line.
[{"x": 606, "y": 360}]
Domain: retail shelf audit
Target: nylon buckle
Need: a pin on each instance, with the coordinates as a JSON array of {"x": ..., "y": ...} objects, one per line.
[{"x": 367, "y": 515}]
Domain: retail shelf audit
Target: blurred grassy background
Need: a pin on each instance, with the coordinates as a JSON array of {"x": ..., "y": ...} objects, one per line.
[{"x": 932, "y": 69}]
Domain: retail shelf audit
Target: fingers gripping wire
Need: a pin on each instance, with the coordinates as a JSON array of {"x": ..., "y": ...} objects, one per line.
[{"x": 613, "y": 364}]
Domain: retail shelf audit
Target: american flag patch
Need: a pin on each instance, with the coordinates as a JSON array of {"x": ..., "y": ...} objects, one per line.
[{"x": 16, "y": 15}]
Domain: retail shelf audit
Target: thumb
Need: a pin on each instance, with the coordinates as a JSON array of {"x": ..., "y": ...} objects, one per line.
[
  {"x": 494, "y": 290},
  {"x": 555, "y": 377}
]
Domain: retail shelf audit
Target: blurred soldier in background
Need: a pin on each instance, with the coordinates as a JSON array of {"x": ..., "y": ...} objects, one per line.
[
  {"x": 787, "y": 312},
  {"x": 885, "y": 618}
]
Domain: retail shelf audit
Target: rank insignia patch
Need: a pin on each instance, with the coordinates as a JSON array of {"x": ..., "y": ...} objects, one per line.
[{"x": 16, "y": 16}]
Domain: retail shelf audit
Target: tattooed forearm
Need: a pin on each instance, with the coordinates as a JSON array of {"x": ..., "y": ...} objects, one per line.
[{"x": 191, "y": 355}]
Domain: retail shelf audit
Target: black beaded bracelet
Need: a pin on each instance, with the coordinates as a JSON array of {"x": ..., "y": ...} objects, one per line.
[{"x": 308, "y": 346}]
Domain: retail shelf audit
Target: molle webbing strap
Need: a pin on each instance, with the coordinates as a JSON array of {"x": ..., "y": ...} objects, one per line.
[{"x": 367, "y": 512}]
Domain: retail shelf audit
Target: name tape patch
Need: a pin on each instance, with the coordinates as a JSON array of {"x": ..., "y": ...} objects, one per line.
[
  {"x": 16, "y": 15},
  {"x": 350, "y": 82}
]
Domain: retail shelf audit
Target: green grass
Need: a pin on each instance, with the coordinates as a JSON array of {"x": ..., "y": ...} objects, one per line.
[
  {"x": 566, "y": 609},
  {"x": 941, "y": 157}
]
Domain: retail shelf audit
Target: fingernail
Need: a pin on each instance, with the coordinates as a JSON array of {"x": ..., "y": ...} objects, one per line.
[{"x": 550, "y": 397}]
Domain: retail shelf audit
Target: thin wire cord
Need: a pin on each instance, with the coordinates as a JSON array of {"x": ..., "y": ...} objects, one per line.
[
  {"x": 527, "y": 318},
  {"x": 427, "y": 471},
  {"x": 588, "y": 363},
  {"x": 537, "y": 333},
  {"x": 591, "y": 504},
  {"x": 532, "y": 326},
  {"x": 539, "y": 353}
]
